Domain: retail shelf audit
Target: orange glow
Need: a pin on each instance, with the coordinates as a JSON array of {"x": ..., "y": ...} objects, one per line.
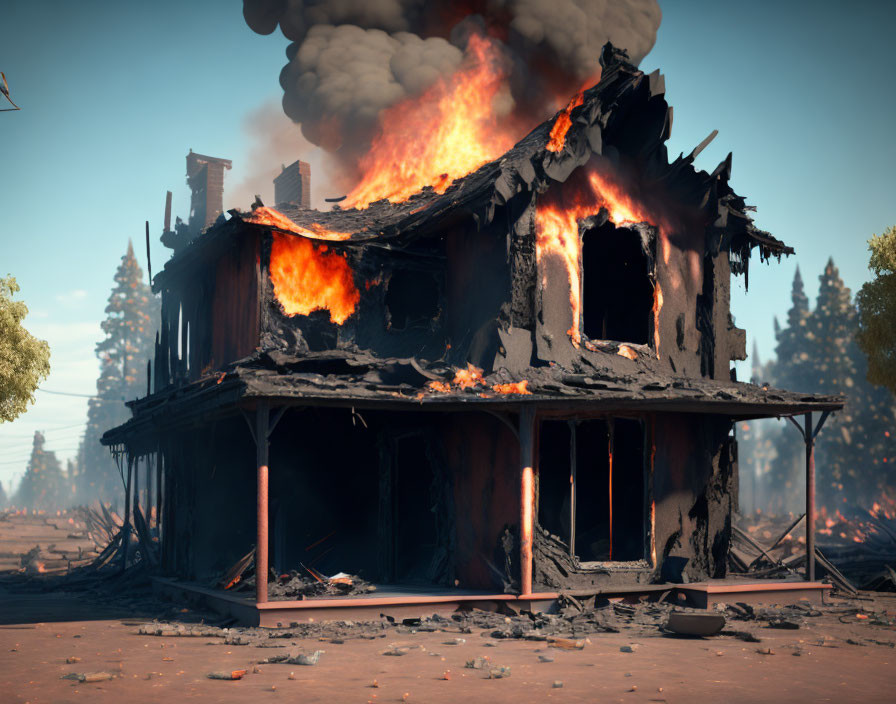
[
  {"x": 274, "y": 218},
  {"x": 627, "y": 352},
  {"x": 520, "y": 387},
  {"x": 563, "y": 123},
  {"x": 557, "y": 219},
  {"x": 308, "y": 277},
  {"x": 657, "y": 307},
  {"x": 447, "y": 132},
  {"x": 465, "y": 378}
]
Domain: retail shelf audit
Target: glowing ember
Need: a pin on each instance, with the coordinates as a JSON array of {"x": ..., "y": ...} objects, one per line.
[
  {"x": 465, "y": 378},
  {"x": 308, "y": 277},
  {"x": 627, "y": 352},
  {"x": 557, "y": 219},
  {"x": 657, "y": 307},
  {"x": 519, "y": 387},
  {"x": 446, "y": 133},
  {"x": 273, "y": 218},
  {"x": 563, "y": 123}
]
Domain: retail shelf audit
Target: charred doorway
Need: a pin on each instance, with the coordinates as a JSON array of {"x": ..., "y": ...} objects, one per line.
[
  {"x": 617, "y": 291},
  {"x": 414, "y": 509},
  {"x": 591, "y": 487},
  {"x": 323, "y": 489},
  {"x": 416, "y": 536}
]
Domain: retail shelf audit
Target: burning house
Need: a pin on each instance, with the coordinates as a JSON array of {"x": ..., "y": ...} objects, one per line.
[{"x": 514, "y": 381}]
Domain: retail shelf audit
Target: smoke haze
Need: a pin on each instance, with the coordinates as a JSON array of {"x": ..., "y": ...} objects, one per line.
[{"x": 351, "y": 59}]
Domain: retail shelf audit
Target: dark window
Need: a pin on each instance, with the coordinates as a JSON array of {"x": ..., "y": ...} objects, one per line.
[
  {"x": 609, "y": 495},
  {"x": 412, "y": 298},
  {"x": 617, "y": 296}
]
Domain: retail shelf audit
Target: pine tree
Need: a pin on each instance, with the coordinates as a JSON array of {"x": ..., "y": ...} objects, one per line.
[
  {"x": 3, "y": 498},
  {"x": 793, "y": 369},
  {"x": 43, "y": 485},
  {"x": 131, "y": 313}
]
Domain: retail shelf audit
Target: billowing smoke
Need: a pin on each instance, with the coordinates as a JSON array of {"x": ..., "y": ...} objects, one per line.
[{"x": 351, "y": 59}]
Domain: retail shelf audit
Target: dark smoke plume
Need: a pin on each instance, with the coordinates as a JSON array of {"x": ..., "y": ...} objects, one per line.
[{"x": 350, "y": 59}]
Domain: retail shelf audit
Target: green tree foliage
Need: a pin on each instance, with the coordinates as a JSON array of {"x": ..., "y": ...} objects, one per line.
[
  {"x": 24, "y": 360},
  {"x": 818, "y": 352},
  {"x": 877, "y": 311},
  {"x": 3, "y": 498},
  {"x": 43, "y": 487},
  {"x": 129, "y": 326}
]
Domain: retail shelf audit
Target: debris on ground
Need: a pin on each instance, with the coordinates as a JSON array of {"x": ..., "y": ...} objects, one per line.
[
  {"x": 89, "y": 676},
  {"x": 227, "y": 675}
]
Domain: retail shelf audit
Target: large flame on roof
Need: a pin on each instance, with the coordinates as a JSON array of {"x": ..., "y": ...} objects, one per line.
[
  {"x": 447, "y": 132},
  {"x": 557, "y": 217},
  {"x": 308, "y": 276}
]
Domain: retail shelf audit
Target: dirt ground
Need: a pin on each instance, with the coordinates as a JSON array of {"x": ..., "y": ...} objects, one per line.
[{"x": 837, "y": 656}]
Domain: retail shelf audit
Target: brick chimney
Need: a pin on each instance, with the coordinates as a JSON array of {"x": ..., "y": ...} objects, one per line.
[
  {"x": 205, "y": 177},
  {"x": 293, "y": 185}
]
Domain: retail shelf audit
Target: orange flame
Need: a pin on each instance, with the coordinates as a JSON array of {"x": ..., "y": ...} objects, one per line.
[
  {"x": 308, "y": 277},
  {"x": 466, "y": 378},
  {"x": 519, "y": 387},
  {"x": 657, "y": 307},
  {"x": 563, "y": 123},
  {"x": 274, "y": 218},
  {"x": 557, "y": 230},
  {"x": 446, "y": 133}
]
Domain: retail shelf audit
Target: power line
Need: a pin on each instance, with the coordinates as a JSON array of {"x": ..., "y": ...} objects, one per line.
[{"x": 69, "y": 393}]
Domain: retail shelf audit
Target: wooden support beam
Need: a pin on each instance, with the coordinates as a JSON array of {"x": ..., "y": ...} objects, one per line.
[
  {"x": 527, "y": 495},
  {"x": 262, "y": 420},
  {"x": 810, "y": 498}
]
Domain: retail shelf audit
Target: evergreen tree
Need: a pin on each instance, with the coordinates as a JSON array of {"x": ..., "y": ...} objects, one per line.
[
  {"x": 3, "y": 499},
  {"x": 131, "y": 313},
  {"x": 793, "y": 369},
  {"x": 43, "y": 485},
  {"x": 818, "y": 353}
]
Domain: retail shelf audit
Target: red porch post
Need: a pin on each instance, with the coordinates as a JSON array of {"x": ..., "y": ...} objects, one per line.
[
  {"x": 527, "y": 496},
  {"x": 262, "y": 420}
]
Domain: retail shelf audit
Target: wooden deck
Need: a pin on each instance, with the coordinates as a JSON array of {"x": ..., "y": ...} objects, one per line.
[{"x": 412, "y": 601}]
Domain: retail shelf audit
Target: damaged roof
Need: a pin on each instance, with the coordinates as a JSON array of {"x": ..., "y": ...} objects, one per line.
[
  {"x": 624, "y": 116},
  {"x": 610, "y": 381}
]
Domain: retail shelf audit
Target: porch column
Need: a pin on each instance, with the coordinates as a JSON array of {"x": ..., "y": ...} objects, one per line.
[
  {"x": 527, "y": 496},
  {"x": 262, "y": 419},
  {"x": 810, "y": 499}
]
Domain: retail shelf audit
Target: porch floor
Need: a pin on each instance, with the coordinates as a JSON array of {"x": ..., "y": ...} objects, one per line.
[{"x": 411, "y": 601}]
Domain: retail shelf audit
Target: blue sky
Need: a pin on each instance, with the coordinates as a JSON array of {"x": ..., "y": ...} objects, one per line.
[{"x": 114, "y": 94}]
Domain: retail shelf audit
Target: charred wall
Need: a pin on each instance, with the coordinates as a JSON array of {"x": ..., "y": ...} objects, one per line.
[
  {"x": 210, "y": 484},
  {"x": 483, "y": 457},
  {"x": 693, "y": 480}
]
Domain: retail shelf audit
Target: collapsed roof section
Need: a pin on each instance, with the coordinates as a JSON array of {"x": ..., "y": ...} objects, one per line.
[{"x": 624, "y": 119}]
